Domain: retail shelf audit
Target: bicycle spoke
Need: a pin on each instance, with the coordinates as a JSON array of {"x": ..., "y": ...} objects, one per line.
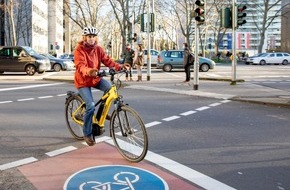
[{"x": 129, "y": 134}]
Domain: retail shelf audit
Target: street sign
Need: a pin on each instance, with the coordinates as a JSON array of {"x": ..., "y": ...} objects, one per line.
[{"x": 115, "y": 177}]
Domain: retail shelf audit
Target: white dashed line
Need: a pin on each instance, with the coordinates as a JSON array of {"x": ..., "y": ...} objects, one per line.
[
  {"x": 27, "y": 99},
  {"x": 18, "y": 163},
  {"x": 171, "y": 118},
  {"x": 59, "y": 95},
  {"x": 5, "y": 102},
  {"x": 30, "y": 86},
  {"x": 215, "y": 104},
  {"x": 152, "y": 124},
  {"x": 202, "y": 108},
  {"x": 44, "y": 97},
  {"x": 187, "y": 113},
  {"x": 225, "y": 101},
  {"x": 60, "y": 151}
]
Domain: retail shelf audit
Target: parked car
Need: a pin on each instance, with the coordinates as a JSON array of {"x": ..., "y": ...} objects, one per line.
[
  {"x": 271, "y": 58},
  {"x": 248, "y": 59},
  {"x": 173, "y": 59},
  {"x": 67, "y": 56},
  {"x": 154, "y": 54},
  {"x": 22, "y": 59},
  {"x": 58, "y": 64}
]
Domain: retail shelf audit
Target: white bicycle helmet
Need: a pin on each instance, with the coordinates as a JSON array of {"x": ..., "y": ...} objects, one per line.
[{"x": 89, "y": 31}]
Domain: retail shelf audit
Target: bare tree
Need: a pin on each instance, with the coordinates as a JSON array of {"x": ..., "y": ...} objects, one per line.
[
  {"x": 85, "y": 12},
  {"x": 263, "y": 10},
  {"x": 9, "y": 7}
]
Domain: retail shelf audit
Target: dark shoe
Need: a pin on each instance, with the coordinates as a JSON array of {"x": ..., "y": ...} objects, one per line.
[
  {"x": 186, "y": 81},
  {"x": 89, "y": 141},
  {"x": 108, "y": 117}
]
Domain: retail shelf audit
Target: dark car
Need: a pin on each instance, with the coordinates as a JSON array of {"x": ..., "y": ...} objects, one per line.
[
  {"x": 58, "y": 64},
  {"x": 22, "y": 59},
  {"x": 173, "y": 59}
]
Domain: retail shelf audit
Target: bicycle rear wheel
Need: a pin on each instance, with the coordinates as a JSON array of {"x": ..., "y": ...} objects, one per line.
[
  {"x": 71, "y": 105},
  {"x": 129, "y": 134}
]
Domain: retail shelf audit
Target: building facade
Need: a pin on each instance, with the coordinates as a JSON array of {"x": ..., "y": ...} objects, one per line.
[
  {"x": 37, "y": 23},
  {"x": 248, "y": 36},
  {"x": 285, "y": 28}
]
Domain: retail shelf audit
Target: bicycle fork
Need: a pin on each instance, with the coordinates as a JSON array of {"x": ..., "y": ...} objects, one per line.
[{"x": 122, "y": 123}]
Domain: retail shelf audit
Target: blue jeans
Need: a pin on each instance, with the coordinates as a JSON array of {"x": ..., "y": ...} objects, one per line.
[{"x": 87, "y": 96}]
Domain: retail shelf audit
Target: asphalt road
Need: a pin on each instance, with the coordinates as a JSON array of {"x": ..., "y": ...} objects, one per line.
[{"x": 243, "y": 145}]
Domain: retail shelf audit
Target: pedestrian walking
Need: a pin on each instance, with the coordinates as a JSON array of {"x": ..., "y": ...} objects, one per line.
[
  {"x": 128, "y": 59},
  {"x": 139, "y": 60}
]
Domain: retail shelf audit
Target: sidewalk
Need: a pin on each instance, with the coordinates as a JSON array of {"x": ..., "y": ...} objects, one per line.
[{"x": 211, "y": 87}]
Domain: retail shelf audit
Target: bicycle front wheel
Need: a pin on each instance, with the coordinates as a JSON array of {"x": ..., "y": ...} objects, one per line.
[
  {"x": 72, "y": 104},
  {"x": 129, "y": 134}
]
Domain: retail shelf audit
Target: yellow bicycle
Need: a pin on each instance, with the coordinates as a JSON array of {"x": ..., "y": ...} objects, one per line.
[{"x": 126, "y": 126}]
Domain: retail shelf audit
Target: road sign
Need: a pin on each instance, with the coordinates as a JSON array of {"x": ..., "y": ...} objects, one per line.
[{"x": 115, "y": 177}]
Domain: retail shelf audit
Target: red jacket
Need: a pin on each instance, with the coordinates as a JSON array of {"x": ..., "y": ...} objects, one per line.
[{"x": 87, "y": 57}]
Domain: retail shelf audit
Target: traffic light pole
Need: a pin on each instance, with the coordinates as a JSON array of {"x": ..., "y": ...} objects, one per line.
[
  {"x": 196, "y": 62},
  {"x": 148, "y": 42},
  {"x": 234, "y": 60}
]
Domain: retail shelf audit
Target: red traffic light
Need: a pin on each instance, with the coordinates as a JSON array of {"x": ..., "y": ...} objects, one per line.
[
  {"x": 199, "y": 11},
  {"x": 241, "y": 9},
  {"x": 199, "y": 3}
]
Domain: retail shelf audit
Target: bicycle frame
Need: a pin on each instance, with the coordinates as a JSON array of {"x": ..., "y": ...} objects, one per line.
[{"x": 108, "y": 98}]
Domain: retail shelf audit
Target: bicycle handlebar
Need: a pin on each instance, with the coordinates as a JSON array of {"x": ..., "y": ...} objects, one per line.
[{"x": 111, "y": 72}]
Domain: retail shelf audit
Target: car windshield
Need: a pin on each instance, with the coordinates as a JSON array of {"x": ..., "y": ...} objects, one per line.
[
  {"x": 49, "y": 56},
  {"x": 264, "y": 55},
  {"x": 30, "y": 51}
]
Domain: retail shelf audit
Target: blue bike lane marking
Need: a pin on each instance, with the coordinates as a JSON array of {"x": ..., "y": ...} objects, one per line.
[{"x": 115, "y": 177}]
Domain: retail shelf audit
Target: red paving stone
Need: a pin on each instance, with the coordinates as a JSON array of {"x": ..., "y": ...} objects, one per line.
[{"x": 51, "y": 173}]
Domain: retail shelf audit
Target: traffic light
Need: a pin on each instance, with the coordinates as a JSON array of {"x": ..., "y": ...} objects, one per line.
[
  {"x": 129, "y": 37},
  {"x": 226, "y": 18},
  {"x": 199, "y": 10},
  {"x": 241, "y": 15}
]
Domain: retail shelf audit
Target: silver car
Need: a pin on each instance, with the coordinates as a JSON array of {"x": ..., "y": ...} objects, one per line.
[
  {"x": 271, "y": 58},
  {"x": 173, "y": 59}
]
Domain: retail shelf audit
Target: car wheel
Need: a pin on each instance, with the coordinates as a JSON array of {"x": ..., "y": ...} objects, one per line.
[
  {"x": 285, "y": 62},
  {"x": 167, "y": 68},
  {"x": 204, "y": 67},
  {"x": 30, "y": 70},
  {"x": 247, "y": 63},
  {"x": 57, "y": 67},
  {"x": 262, "y": 62}
]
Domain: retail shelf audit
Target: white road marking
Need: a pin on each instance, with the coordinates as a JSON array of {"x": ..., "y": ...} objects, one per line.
[
  {"x": 61, "y": 95},
  {"x": 183, "y": 171},
  {"x": 202, "y": 108},
  {"x": 60, "y": 151},
  {"x": 187, "y": 113},
  {"x": 26, "y": 99},
  {"x": 225, "y": 101},
  {"x": 147, "y": 125},
  {"x": 17, "y": 163},
  {"x": 215, "y": 104},
  {"x": 171, "y": 118},
  {"x": 5, "y": 102},
  {"x": 44, "y": 97},
  {"x": 29, "y": 86}
]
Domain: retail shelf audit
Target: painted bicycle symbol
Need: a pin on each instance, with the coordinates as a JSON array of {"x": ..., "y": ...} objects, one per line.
[
  {"x": 114, "y": 177},
  {"x": 123, "y": 181}
]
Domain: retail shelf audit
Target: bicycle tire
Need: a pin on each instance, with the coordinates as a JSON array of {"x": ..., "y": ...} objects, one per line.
[
  {"x": 133, "y": 146},
  {"x": 71, "y": 105}
]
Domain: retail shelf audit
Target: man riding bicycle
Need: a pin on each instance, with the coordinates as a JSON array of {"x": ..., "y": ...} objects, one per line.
[{"x": 88, "y": 57}]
